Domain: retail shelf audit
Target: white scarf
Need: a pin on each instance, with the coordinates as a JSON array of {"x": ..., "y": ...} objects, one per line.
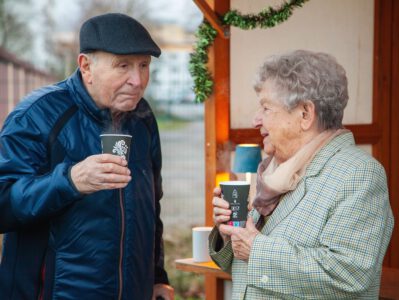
[{"x": 274, "y": 180}]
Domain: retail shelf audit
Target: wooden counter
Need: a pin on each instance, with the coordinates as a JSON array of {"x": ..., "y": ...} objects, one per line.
[{"x": 205, "y": 268}]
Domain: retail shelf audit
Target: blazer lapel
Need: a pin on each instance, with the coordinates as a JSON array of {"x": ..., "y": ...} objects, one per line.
[
  {"x": 287, "y": 203},
  {"x": 291, "y": 199}
]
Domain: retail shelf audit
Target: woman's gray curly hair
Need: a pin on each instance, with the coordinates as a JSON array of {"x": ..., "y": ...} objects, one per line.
[{"x": 304, "y": 75}]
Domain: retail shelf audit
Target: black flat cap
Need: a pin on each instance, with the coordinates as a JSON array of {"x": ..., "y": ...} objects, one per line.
[{"x": 116, "y": 33}]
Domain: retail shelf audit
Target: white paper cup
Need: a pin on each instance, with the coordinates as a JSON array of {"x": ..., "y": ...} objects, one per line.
[{"x": 200, "y": 244}]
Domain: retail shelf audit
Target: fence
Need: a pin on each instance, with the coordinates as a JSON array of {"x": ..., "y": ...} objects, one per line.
[
  {"x": 183, "y": 175},
  {"x": 17, "y": 78}
]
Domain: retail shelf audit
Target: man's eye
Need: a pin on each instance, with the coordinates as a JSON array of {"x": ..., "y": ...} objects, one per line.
[{"x": 123, "y": 66}]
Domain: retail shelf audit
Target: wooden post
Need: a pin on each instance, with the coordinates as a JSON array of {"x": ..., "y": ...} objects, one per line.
[
  {"x": 385, "y": 99},
  {"x": 217, "y": 123},
  {"x": 212, "y": 18},
  {"x": 394, "y": 138}
]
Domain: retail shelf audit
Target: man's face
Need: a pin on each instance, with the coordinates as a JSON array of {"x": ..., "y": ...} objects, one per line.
[{"x": 116, "y": 82}]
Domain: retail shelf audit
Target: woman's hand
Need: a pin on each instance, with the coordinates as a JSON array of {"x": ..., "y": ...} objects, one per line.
[
  {"x": 242, "y": 239},
  {"x": 221, "y": 211}
]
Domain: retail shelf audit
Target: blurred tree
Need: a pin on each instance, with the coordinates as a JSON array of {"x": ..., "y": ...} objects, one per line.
[
  {"x": 31, "y": 29},
  {"x": 138, "y": 9},
  {"x": 15, "y": 33},
  {"x": 54, "y": 60},
  {"x": 64, "y": 46}
]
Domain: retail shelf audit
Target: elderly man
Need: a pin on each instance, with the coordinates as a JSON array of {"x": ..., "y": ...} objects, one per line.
[{"x": 80, "y": 224}]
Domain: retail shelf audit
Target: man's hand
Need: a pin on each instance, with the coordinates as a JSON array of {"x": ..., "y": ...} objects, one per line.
[
  {"x": 241, "y": 238},
  {"x": 221, "y": 211},
  {"x": 100, "y": 172},
  {"x": 164, "y": 291}
]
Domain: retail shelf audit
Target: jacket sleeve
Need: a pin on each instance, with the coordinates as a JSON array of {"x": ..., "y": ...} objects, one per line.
[
  {"x": 160, "y": 275},
  {"x": 221, "y": 254},
  {"x": 351, "y": 247},
  {"x": 26, "y": 194}
]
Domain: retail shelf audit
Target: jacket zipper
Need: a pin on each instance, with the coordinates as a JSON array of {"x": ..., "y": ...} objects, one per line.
[
  {"x": 121, "y": 243},
  {"x": 43, "y": 276}
]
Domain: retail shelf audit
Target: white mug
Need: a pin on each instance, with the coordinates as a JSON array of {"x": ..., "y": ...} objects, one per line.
[{"x": 200, "y": 244}]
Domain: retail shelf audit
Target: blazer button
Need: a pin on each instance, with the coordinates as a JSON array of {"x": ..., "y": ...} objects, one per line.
[{"x": 264, "y": 279}]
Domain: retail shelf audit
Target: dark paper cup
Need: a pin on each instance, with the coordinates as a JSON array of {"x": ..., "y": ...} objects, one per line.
[
  {"x": 236, "y": 193},
  {"x": 116, "y": 144}
]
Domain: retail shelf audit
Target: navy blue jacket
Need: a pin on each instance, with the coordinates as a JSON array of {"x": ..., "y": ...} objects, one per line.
[{"x": 60, "y": 244}]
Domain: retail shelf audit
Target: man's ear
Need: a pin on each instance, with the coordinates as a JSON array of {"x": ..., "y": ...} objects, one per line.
[
  {"x": 308, "y": 114},
  {"x": 85, "y": 63}
]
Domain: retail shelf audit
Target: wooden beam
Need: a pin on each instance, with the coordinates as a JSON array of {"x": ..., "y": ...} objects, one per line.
[
  {"x": 213, "y": 19},
  {"x": 382, "y": 80},
  {"x": 394, "y": 157},
  {"x": 382, "y": 101},
  {"x": 389, "y": 283},
  {"x": 217, "y": 111},
  {"x": 217, "y": 123}
]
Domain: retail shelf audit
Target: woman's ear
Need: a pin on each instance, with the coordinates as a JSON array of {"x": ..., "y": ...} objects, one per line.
[
  {"x": 308, "y": 114},
  {"x": 84, "y": 63}
]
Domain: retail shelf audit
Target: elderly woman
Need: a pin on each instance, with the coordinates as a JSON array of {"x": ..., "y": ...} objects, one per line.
[{"x": 321, "y": 219}]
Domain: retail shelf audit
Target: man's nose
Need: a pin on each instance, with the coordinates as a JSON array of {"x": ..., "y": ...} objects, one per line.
[{"x": 134, "y": 77}]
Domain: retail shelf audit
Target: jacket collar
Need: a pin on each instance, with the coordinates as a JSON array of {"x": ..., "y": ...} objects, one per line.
[
  {"x": 290, "y": 200},
  {"x": 323, "y": 156},
  {"x": 84, "y": 100}
]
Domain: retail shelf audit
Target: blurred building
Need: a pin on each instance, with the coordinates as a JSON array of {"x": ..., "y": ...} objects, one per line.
[
  {"x": 171, "y": 80},
  {"x": 171, "y": 83}
]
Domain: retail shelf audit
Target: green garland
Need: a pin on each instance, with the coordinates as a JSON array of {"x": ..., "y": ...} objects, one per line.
[{"x": 206, "y": 34}]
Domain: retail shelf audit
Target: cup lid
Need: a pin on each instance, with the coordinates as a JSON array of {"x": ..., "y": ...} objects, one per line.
[
  {"x": 204, "y": 228},
  {"x": 115, "y": 134},
  {"x": 234, "y": 182}
]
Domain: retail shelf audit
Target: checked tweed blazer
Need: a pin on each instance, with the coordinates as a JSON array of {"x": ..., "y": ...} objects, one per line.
[{"x": 326, "y": 239}]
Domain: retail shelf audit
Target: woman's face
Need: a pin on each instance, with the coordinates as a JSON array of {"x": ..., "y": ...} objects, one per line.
[{"x": 280, "y": 128}]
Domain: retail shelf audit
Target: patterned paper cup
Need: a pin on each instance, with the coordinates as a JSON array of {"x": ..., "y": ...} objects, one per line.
[
  {"x": 236, "y": 193},
  {"x": 117, "y": 144}
]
